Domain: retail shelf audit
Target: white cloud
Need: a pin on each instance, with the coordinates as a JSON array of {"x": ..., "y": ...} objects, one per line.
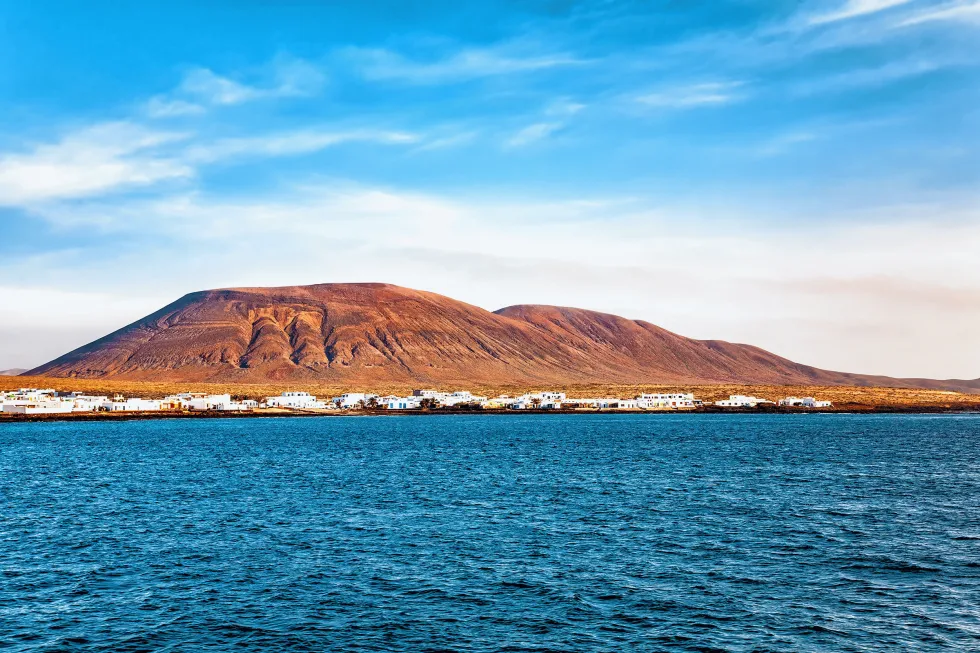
[
  {"x": 380, "y": 64},
  {"x": 957, "y": 11},
  {"x": 694, "y": 95},
  {"x": 108, "y": 157},
  {"x": 296, "y": 78},
  {"x": 447, "y": 141},
  {"x": 163, "y": 107},
  {"x": 214, "y": 89},
  {"x": 855, "y": 8},
  {"x": 284, "y": 77},
  {"x": 93, "y": 160},
  {"x": 292, "y": 143},
  {"x": 873, "y": 77},
  {"x": 564, "y": 107},
  {"x": 532, "y": 134},
  {"x": 784, "y": 143}
]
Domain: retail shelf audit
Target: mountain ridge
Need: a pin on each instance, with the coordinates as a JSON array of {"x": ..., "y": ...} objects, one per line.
[{"x": 363, "y": 333}]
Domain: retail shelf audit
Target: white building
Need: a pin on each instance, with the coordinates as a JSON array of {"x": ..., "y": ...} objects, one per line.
[
  {"x": 353, "y": 399},
  {"x": 595, "y": 402},
  {"x": 805, "y": 402},
  {"x": 297, "y": 400},
  {"x": 462, "y": 397},
  {"x": 401, "y": 403},
  {"x": 665, "y": 400},
  {"x": 441, "y": 398},
  {"x": 547, "y": 400},
  {"x": 207, "y": 402},
  {"x": 449, "y": 398},
  {"x": 8, "y": 404},
  {"x": 87, "y": 403},
  {"x": 741, "y": 401},
  {"x": 50, "y": 407},
  {"x": 503, "y": 401},
  {"x": 242, "y": 406},
  {"x": 9, "y": 401},
  {"x": 132, "y": 405}
]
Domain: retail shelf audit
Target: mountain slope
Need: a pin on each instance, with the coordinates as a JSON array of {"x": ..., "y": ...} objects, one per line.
[{"x": 364, "y": 333}]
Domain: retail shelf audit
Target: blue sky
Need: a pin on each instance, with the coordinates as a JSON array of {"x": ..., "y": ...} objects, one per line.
[{"x": 798, "y": 175}]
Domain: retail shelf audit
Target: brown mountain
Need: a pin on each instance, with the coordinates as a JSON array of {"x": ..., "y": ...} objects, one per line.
[{"x": 367, "y": 333}]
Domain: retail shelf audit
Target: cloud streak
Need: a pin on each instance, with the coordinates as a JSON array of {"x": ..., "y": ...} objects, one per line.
[
  {"x": 855, "y": 9},
  {"x": 968, "y": 12},
  {"x": 94, "y": 160},
  {"x": 201, "y": 88},
  {"x": 532, "y": 134},
  {"x": 385, "y": 65},
  {"x": 693, "y": 96},
  {"x": 304, "y": 141}
]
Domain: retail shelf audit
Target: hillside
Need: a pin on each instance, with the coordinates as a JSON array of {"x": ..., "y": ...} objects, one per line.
[{"x": 364, "y": 334}]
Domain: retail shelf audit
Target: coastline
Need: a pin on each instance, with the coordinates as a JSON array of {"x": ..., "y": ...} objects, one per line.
[{"x": 708, "y": 410}]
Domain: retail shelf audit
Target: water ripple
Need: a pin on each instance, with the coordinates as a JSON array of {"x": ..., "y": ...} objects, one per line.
[{"x": 470, "y": 533}]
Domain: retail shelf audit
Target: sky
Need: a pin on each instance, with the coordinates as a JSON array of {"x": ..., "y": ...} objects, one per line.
[{"x": 801, "y": 176}]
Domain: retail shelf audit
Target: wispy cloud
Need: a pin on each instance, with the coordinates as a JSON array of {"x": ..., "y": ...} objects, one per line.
[
  {"x": 874, "y": 77},
  {"x": 292, "y": 143},
  {"x": 447, "y": 141},
  {"x": 161, "y": 106},
  {"x": 93, "y": 160},
  {"x": 532, "y": 133},
  {"x": 784, "y": 143},
  {"x": 209, "y": 87},
  {"x": 202, "y": 87},
  {"x": 694, "y": 95},
  {"x": 107, "y": 157},
  {"x": 957, "y": 11},
  {"x": 564, "y": 107},
  {"x": 854, "y": 9},
  {"x": 381, "y": 64}
]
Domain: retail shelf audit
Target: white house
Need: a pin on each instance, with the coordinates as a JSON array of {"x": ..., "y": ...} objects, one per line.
[
  {"x": 595, "y": 402},
  {"x": 741, "y": 401},
  {"x": 665, "y": 400},
  {"x": 461, "y": 397},
  {"x": 548, "y": 400},
  {"x": 87, "y": 403},
  {"x": 208, "y": 402},
  {"x": 503, "y": 401},
  {"x": 132, "y": 405},
  {"x": 300, "y": 400},
  {"x": 7, "y": 405},
  {"x": 49, "y": 407},
  {"x": 441, "y": 398},
  {"x": 805, "y": 402},
  {"x": 401, "y": 403},
  {"x": 353, "y": 399},
  {"x": 24, "y": 397},
  {"x": 238, "y": 406}
]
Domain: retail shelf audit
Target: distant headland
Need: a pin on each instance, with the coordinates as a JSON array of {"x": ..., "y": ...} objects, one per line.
[{"x": 370, "y": 334}]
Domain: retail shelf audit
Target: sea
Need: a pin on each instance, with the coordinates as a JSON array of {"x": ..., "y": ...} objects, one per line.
[{"x": 579, "y": 533}]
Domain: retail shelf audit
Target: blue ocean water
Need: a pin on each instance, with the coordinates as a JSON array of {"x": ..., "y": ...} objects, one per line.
[{"x": 492, "y": 533}]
